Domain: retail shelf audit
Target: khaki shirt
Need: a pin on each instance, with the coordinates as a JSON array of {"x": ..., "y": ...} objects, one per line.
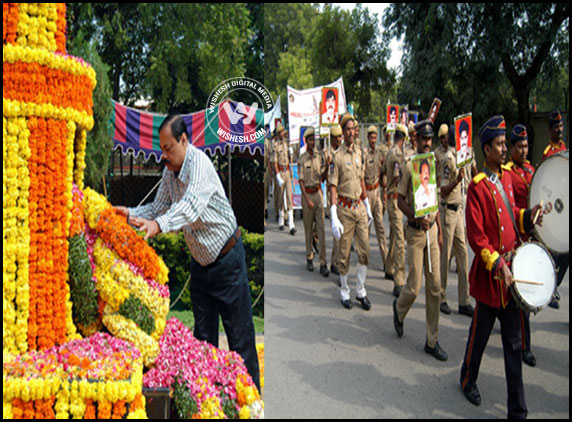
[
  {"x": 408, "y": 150},
  {"x": 392, "y": 168},
  {"x": 310, "y": 168},
  {"x": 346, "y": 172},
  {"x": 447, "y": 172},
  {"x": 281, "y": 153},
  {"x": 405, "y": 188},
  {"x": 373, "y": 162}
]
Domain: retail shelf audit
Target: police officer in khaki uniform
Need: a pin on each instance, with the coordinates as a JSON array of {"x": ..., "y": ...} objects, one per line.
[
  {"x": 284, "y": 179},
  {"x": 373, "y": 177},
  {"x": 452, "y": 221},
  {"x": 335, "y": 143},
  {"x": 395, "y": 264},
  {"x": 312, "y": 170},
  {"x": 417, "y": 254},
  {"x": 350, "y": 212}
]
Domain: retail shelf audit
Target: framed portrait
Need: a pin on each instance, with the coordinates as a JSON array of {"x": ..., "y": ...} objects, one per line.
[
  {"x": 404, "y": 114},
  {"x": 329, "y": 107},
  {"x": 392, "y": 117},
  {"x": 464, "y": 139},
  {"x": 424, "y": 183},
  {"x": 434, "y": 110}
]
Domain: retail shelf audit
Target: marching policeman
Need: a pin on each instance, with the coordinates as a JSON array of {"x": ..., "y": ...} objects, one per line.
[
  {"x": 417, "y": 254},
  {"x": 312, "y": 171},
  {"x": 350, "y": 212},
  {"x": 492, "y": 216},
  {"x": 452, "y": 221},
  {"x": 335, "y": 143},
  {"x": 395, "y": 265},
  {"x": 373, "y": 179},
  {"x": 284, "y": 178}
]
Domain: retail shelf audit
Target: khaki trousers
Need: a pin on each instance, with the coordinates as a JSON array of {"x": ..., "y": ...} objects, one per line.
[
  {"x": 355, "y": 224},
  {"x": 316, "y": 214},
  {"x": 454, "y": 241},
  {"x": 376, "y": 205},
  {"x": 418, "y": 264},
  {"x": 396, "y": 256}
]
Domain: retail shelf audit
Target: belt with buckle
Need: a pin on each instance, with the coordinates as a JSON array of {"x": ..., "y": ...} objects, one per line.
[
  {"x": 312, "y": 189},
  {"x": 416, "y": 226},
  {"x": 348, "y": 203},
  {"x": 372, "y": 187},
  {"x": 230, "y": 244},
  {"x": 451, "y": 207}
]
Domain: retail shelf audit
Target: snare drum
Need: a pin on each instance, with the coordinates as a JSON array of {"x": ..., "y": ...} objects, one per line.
[
  {"x": 550, "y": 185},
  {"x": 532, "y": 261}
]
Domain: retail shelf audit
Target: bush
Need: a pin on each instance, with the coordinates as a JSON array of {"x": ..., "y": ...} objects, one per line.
[{"x": 174, "y": 251}]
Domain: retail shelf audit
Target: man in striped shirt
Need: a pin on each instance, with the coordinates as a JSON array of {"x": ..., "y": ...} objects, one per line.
[{"x": 191, "y": 198}]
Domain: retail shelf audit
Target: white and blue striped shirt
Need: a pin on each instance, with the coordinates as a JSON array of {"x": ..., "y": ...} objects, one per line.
[{"x": 195, "y": 202}]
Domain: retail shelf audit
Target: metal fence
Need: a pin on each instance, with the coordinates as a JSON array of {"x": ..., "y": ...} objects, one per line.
[{"x": 131, "y": 181}]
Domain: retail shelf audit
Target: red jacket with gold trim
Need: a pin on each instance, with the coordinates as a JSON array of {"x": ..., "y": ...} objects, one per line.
[
  {"x": 521, "y": 177},
  {"x": 552, "y": 149},
  {"x": 491, "y": 235}
]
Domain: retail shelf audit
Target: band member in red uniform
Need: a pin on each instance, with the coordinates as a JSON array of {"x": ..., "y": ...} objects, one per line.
[
  {"x": 521, "y": 172},
  {"x": 492, "y": 223},
  {"x": 556, "y": 145}
]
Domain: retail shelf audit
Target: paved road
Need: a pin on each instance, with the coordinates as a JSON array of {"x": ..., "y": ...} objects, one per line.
[{"x": 323, "y": 361}]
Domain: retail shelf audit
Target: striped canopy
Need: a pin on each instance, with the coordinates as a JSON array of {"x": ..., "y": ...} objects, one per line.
[{"x": 210, "y": 130}]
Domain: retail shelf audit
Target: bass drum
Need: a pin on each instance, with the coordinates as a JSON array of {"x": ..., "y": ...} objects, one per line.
[
  {"x": 533, "y": 262},
  {"x": 550, "y": 184}
]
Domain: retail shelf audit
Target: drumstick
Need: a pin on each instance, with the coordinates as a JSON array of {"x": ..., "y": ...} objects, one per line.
[
  {"x": 536, "y": 283},
  {"x": 538, "y": 212}
]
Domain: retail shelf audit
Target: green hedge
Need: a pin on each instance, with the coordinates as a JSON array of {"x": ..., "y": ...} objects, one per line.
[{"x": 174, "y": 251}]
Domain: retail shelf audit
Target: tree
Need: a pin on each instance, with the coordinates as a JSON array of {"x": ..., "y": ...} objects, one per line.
[{"x": 477, "y": 57}]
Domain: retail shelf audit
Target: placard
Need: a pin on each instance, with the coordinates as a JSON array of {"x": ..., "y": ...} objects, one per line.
[
  {"x": 424, "y": 182},
  {"x": 464, "y": 139}
]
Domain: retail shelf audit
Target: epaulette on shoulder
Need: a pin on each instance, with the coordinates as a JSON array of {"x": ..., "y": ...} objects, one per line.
[
  {"x": 509, "y": 165},
  {"x": 547, "y": 149},
  {"x": 479, "y": 177},
  {"x": 505, "y": 167}
]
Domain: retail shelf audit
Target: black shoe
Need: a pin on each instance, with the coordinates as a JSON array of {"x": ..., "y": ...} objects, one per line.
[
  {"x": 324, "y": 270},
  {"x": 282, "y": 227},
  {"x": 445, "y": 308},
  {"x": 398, "y": 325},
  {"x": 309, "y": 265},
  {"x": 554, "y": 304},
  {"x": 334, "y": 269},
  {"x": 467, "y": 310},
  {"x": 436, "y": 351},
  {"x": 472, "y": 394},
  {"x": 293, "y": 231},
  {"x": 397, "y": 290},
  {"x": 388, "y": 276},
  {"x": 365, "y": 303},
  {"x": 347, "y": 304},
  {"x": 528, "y": 358}
]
